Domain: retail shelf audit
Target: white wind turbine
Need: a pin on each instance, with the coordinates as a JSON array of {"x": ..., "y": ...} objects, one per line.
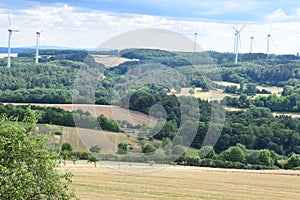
[
  {"x": 237, "y": 41},
  {"x": 268, "y": 40},
  {"x": 10, "y": 31},
  {"x": 195, "y": 42},
  {"x": 251, "y": 43},
  {"x": 38, "y": 36}
]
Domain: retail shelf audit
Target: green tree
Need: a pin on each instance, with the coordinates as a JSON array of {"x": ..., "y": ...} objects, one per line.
[
  {"x": 191, "y": 91},
  {"x": 65, "y": 155},
  {"x": 165, "y": 142},
  {"x": 27, "y": 169},
  {"x": 236, "y": 154},
  {"x": 206, "y": 152},
  {"x": 148, "y": 148},
  {"x": 93, "y": 159},
  {"x": 294, "y": 161},
  {"x": 264, "y": 157},
  {"x": 122, "y": 148},
  {"x": 251, "y": 89},
  {"x": 66, "y": 147},
  {"x": 95, "y": 149},
  {"x": 74, "y": 157},
  {"x": 66, "y": 150}
]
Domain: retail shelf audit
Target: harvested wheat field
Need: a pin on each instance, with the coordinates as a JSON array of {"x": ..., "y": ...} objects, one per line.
[
  {"x": 183, "y": 183},
  {"x": 111, "y": 61},
  {"x": 82, "y": 139},
  {"x": 113, "y": 112}
]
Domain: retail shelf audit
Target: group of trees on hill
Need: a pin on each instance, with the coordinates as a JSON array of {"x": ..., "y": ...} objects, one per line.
[
  {"x": 58, "y": 116},
  {"x": 54, "y": 74},
  {"x": 56, "y": 54},
  {"x": 255, "y": 128},
  {"x": 50, "y": 82},
  {"x": 221, "y": 58},
  {"x": 263, "y": 73},
  {"x": 288, "y": 101},
  {"x": 276, "y": 70}
]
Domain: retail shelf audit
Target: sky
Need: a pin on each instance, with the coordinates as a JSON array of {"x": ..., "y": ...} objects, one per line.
[{"x": 87, "y": 24}]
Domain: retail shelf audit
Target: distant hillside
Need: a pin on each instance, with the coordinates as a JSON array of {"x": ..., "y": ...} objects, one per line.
[
  {"x": 19, "y": 49},
  {"x": 13, "y": 50}
]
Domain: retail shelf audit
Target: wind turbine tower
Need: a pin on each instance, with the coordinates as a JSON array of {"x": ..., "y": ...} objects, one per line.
[
  {"x": 195, "y": 42},
  {"x": 38, "y": 36},
  {"x": 268, "y": 40},
  {"x": 10, "y": 31},
  {"x": 237, "y": 41},
  {"x": 251, "y": 43}
]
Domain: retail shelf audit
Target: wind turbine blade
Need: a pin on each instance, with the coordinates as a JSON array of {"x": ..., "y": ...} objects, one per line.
[
  {"x": 272, "y": 39},
  {"x": 234, "y": 28},
  {"x": 270, "y": 29},
  {"x": 243, "y": 27},
  {"x": 240, "y": 40},
  {"x": 9, "y": 20}
]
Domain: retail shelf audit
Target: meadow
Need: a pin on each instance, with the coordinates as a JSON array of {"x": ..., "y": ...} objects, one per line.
[{"x": 182, "y": 183}]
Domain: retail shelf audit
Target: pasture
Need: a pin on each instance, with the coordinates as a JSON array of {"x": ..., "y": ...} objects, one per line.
[{"x": 182, "y": 183}]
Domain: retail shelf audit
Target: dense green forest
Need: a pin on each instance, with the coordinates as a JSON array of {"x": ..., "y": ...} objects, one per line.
[{"x": 51, "y": 81}]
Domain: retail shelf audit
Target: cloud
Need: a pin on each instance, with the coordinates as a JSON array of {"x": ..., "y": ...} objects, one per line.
[
  {"x": 66, "y": 25},
  {"x": 280, "y": 15},
  {"x": 217, "y": 10}
]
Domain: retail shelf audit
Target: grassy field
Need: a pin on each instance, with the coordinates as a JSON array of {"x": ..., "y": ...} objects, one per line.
[
  {"x": 183, "y": 183},
  {"x": 209, "y": 96}
]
